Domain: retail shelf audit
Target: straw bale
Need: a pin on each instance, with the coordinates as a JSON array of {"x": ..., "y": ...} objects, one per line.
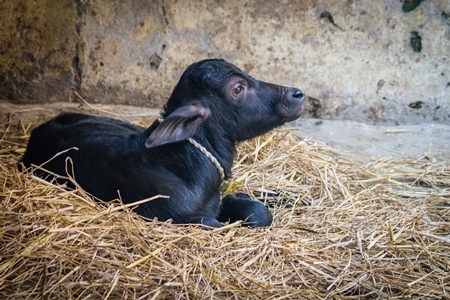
[{"x": 341, "y": 231}]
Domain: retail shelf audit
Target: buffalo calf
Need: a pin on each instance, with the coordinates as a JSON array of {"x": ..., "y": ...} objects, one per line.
[{"x": 185, "y": 155}]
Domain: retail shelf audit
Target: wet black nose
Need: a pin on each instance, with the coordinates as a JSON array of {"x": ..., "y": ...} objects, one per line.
[{"x": 296, "y": 93}]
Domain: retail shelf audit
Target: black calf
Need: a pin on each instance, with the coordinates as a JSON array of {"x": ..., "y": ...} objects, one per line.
[{"x": 215, "y": 104}]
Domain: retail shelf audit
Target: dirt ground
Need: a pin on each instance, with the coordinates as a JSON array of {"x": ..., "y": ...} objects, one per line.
[{"x": 356, "y": 141}]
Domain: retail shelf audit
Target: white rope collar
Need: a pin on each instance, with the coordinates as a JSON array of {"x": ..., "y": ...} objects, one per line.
[
  {"x": 210, "y": 156},
  {"x": 207, "y": 153}
]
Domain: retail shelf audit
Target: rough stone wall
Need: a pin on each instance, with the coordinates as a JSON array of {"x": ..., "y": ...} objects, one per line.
[
  {"x": 360, "y": 66},
  {"x": 37, "y": 50}
]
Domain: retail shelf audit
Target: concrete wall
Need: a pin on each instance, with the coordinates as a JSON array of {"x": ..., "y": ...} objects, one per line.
[
  {"x": 362, "y": 67},
  {"x": 37, "y": 50}
]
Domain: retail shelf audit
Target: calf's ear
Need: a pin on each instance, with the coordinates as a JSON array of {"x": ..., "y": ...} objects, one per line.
[{"x": 179, "y": 125}]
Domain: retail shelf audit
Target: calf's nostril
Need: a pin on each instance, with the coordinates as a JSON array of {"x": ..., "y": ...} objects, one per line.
[{"x": 298, "y": 94}]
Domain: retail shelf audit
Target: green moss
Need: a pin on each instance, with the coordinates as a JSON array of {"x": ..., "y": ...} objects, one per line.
[
  {"x": 446, "y": 17},
  {"x": 416, "y": 41},
  {"x": 410, "y": 5}
]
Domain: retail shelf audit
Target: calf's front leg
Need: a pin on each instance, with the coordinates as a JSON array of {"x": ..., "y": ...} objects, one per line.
[
  {"x": 211, "y": 222},
  {"x": 242, "y": 207}
]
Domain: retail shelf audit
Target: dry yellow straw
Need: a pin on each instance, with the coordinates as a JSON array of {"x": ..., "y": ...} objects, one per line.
[{"x": 341, "y": 231}]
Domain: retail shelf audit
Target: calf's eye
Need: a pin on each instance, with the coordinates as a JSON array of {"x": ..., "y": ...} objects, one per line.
[{"x": 238, "y": 89}]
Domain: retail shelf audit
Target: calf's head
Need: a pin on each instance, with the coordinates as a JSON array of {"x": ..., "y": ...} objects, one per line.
[{"x": 217, "y": 96}]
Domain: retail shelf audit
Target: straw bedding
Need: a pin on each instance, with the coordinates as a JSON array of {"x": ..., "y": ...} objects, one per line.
[{"x": 341, "y": 231}]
